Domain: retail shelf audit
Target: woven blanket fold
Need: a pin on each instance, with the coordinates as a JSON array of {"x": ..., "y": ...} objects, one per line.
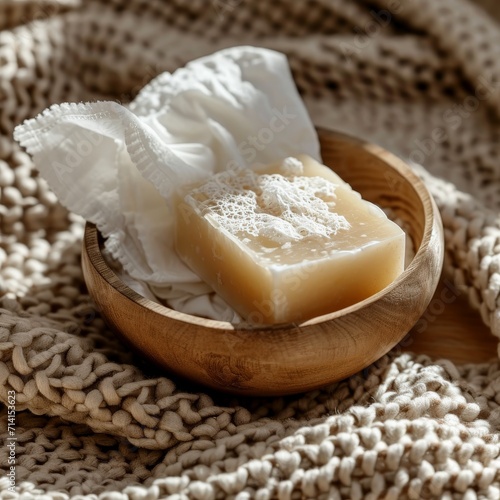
[{"x": 419, "y": 77}]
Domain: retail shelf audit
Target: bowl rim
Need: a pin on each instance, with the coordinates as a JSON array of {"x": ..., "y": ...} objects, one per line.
[{"x": 92, "y": 247}]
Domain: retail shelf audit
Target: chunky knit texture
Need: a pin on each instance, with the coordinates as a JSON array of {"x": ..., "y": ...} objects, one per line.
[{"x": 420, "y": 77}]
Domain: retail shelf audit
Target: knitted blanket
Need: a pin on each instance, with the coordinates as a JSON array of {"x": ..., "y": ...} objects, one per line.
[{"x": 92, "y": 420}]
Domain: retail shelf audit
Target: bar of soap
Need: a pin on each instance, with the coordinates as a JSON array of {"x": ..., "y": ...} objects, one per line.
[{"x": 288, "y": 242}]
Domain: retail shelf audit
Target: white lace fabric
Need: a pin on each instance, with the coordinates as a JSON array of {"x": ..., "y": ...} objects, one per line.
[{"x": 120, "y": 167}]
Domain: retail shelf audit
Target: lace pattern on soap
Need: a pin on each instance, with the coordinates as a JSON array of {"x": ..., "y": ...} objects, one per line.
[{"x": 279, "y": 208}]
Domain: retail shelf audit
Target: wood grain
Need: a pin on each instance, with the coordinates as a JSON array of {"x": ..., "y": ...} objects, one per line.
[{"x": 290, "y": 358}]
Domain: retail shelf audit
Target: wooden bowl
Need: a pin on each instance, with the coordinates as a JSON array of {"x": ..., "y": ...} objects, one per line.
[{"x": 293, "y": 358}]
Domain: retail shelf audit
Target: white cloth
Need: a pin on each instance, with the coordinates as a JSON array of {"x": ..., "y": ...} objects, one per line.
[{"x": 119, "y": 167}]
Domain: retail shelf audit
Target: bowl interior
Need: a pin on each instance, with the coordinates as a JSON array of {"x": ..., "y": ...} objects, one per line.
[{"x": 296, "y": 357}]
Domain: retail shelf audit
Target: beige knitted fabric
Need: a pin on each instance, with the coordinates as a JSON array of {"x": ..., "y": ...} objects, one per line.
[{"x": 421, "y": 77}]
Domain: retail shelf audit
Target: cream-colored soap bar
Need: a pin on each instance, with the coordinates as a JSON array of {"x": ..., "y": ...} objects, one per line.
[{"x": 287, "y": 243}]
